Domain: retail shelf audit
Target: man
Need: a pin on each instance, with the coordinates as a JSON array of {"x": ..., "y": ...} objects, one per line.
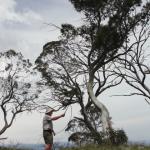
[{"x": 48, "y": 131}]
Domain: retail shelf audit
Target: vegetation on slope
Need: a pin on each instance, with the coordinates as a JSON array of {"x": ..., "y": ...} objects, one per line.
[
  {"x": 4, "y": 148},
  {"x": 90, "y": 147}
]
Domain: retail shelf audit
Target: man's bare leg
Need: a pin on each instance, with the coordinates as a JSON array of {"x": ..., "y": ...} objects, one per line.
[{"x": 48, "y": 147}]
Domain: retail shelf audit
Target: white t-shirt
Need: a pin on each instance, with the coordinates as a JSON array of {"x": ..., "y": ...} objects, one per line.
[{"x": 47, "y": 123}]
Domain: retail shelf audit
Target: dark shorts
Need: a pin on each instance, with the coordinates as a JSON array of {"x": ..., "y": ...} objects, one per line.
[{"x": 48, "y": 137}]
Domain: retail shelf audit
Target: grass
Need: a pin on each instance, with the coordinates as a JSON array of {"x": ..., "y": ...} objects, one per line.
[
  {"x": 100, "y": 147},
  {"x": 90, "y": 147},
  {"x": 3, "y": 148}
]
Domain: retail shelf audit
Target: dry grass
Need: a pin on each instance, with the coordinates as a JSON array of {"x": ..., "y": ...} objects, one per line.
[{"x": 90, "y": 147}]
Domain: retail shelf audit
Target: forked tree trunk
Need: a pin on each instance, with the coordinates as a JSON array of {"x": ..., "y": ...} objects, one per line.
[
  {"x": 105, "y": 114},
  {"x": 95, "y": 133}
]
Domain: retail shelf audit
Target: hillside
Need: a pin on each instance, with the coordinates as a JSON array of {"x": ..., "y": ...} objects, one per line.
[
  {"x": 2, "y": 148},
  {"x": 134, "y": 147},
  {"x": 92, "y": 147}
]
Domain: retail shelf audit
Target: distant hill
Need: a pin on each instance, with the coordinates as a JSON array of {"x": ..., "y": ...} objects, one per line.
[
  {"x": 23, "y": 147},
  {"x": 66, "y": 146},
  {"x": 95, "y": 147},
  {"x": 20, "y": 146}
]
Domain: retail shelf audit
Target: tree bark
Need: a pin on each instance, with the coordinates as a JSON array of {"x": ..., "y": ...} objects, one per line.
[
  {"x": 96, "y": 134},
  {"x": 105, "y": 113}
]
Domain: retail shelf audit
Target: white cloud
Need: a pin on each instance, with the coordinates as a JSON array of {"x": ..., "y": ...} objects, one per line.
[
  {"x": 8, "y": 12},
  {"x": 29, "y": 42}
]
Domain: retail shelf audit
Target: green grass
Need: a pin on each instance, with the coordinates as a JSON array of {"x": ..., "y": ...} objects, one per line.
[
  {"x": 2, "y": 148},
  {"x": 95, "y": 147},
  {"x": 135, "y": 147}
]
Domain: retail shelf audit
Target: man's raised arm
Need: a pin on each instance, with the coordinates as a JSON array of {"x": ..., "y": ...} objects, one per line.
[{"x": 57, "y": 117}]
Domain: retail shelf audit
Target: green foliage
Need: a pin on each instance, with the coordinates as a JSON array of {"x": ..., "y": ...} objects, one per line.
[
  {"x": 95, "y": 5},
  {"x": 17, "y": 92},
  {"x": 111, "y": 22},
  {"x": 85, "y": 49},
  {"x": 87, "y": 5},
  {"x": 82, "y": 53},
  {"x": 80, "y": 133},
  {"x": 108, "y": 39},
  {"x": 68, "y": 30},
  {"x": 117, "y": 137}
]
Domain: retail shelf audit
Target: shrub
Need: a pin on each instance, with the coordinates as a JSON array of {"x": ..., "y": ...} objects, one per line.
[{"x": 117, "y": 137}]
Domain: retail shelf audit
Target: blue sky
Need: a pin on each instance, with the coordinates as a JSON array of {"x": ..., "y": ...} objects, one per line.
[{"x": 23, "y": 28}]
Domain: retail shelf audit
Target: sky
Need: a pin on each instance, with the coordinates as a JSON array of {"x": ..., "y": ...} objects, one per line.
[{"x": 25, "y": 27}]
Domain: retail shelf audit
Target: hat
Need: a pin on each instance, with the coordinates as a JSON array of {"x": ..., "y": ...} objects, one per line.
[{"x": 49, "y": 109}]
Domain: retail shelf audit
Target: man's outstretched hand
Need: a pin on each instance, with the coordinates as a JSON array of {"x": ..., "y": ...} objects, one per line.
[
  {"x": 63, "y": 115},
  {"x": 57, "y": 117}
]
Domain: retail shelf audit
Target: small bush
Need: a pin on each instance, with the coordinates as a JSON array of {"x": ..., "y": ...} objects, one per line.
[{"x": 117, "y": 137}]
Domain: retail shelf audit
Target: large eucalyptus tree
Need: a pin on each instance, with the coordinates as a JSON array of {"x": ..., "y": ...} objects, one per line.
[{"x": 75, "y": 66}]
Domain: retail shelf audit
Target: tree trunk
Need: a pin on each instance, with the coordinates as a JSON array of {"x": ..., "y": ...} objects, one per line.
[
  {"x": 97, "y": 136},
  {"x": 105, "y": 114},
  {"x": 3, "y": 129}
]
